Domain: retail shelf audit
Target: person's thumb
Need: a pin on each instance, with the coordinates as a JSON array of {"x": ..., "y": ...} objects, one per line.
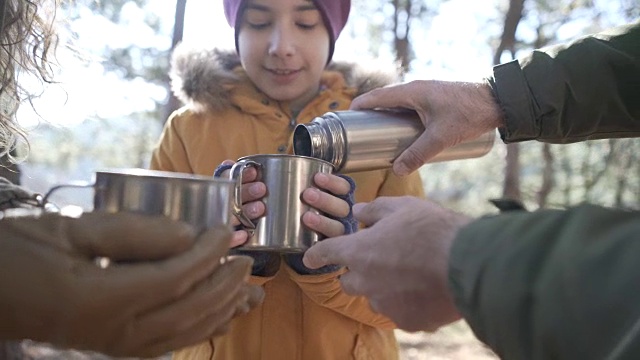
[
  {"x": 330, "y": 251},
  {"x": 372, "y": 212},
  {"x": 126, "y": 236},
  {"x": 416, "y": 155}
]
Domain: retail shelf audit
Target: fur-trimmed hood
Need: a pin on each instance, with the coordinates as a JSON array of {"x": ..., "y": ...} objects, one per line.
[{"x": 202, "y": 78}]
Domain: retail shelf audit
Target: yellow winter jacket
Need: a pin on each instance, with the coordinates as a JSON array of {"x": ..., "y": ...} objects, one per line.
[{"x": 226, "y": 117}]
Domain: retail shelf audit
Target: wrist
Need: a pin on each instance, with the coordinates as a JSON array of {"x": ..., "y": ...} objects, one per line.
[{"x": 493, "y": 115}]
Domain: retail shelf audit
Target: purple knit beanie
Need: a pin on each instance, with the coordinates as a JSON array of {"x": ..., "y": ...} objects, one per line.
[{"x": 335, "y": 14}]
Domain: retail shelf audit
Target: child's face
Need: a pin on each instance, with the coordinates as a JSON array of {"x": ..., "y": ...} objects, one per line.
[{"x": 284, "y": 47}]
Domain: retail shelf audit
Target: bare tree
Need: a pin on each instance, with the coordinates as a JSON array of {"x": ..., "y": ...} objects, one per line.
[
  {"x": 178, "y": 30},
  {"x": 405, "y": 13},
  {"x": 548, "y": 180},
  {"x": 508, "y": 38},
  {"x": 624, "y": 162},
  {"x": 401, "y": 28}
]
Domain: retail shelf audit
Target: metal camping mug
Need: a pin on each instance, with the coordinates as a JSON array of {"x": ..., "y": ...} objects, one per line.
[
  {"x": 286, "y": 177},
  {"x": 201, "y": 201}
]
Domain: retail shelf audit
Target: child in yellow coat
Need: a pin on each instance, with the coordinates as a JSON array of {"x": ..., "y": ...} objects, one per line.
[{"x": 248, "y": 103}]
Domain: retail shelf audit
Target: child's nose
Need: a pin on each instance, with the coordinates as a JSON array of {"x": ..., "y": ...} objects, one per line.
[{"x": 282, "y": 42}]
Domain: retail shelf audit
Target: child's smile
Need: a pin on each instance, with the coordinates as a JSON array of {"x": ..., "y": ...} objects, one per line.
[{"x": 284, "y": 76}]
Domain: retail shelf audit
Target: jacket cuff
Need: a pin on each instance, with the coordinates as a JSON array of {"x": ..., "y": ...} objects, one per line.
[
  {"x": 265, "y": 264},
  {"x": 322, "y": 283},
  {"x": 295, "y": 262},
  {"x": 510, "y": 88}
]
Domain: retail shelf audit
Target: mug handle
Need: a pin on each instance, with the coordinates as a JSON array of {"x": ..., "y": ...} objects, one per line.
[
  {"x": 73, "y": 184},
  {"x": 236, "y": 175}
]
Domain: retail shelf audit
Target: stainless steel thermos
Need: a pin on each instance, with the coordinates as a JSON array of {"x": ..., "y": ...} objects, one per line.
[{"x": 371, "y": 139}]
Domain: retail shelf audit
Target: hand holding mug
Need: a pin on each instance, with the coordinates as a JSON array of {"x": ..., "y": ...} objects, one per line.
[
  {"x": 161, "y": 272},
  {"x": 301, "y": 203},
  {"x": 327, "y": 202},
  {"x": 252, "y": 192}
]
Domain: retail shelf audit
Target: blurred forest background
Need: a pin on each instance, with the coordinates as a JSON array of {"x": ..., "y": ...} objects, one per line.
[
  {"x": 113, "y": 93},
  {"x": 112, "y": 98}
]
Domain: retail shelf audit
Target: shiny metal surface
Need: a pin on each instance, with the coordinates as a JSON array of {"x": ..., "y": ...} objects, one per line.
[
  {"x": 201, "y": 201},
  {"x": 285, "y": 176},
  {"x": 367, "y": 140}
]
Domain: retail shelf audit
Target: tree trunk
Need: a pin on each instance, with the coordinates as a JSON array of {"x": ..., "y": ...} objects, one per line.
[
  {"x": 547, "y": 176},
  {"x": 508, "y": 39},
  {"x": 624, "y": 161},
  {"x": 565, "y": 168},
  {"x": 178, "y": 30},
  {"x": 511, "y": 188},
  {"x": 401, "y": 28}
]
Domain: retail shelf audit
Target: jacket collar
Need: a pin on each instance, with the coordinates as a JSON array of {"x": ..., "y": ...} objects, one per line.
[{"x": 214, "y": 79}]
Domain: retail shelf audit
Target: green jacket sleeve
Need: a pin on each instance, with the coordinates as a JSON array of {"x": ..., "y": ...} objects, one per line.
[
  {"x": 588, "y": 89},
  {"x": 552, "y": 284}
]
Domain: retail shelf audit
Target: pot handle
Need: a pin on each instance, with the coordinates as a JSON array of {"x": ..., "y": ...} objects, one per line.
[{"x": 73, "y": 184}]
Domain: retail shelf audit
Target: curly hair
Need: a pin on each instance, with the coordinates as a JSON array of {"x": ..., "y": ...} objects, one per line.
[{"x": 27, "y": 43}]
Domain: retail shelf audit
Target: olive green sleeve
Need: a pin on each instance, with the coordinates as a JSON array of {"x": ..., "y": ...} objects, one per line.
[
  {"x": 551, "y": 284},
  {"x": 587, "y": 89}
]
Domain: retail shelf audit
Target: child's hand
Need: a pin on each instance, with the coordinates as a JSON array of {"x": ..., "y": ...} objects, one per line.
[
  {"x": 328, "y": 203},
  {"x": 252, "y": 192},
  {"x": 335, "y": 202}
]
